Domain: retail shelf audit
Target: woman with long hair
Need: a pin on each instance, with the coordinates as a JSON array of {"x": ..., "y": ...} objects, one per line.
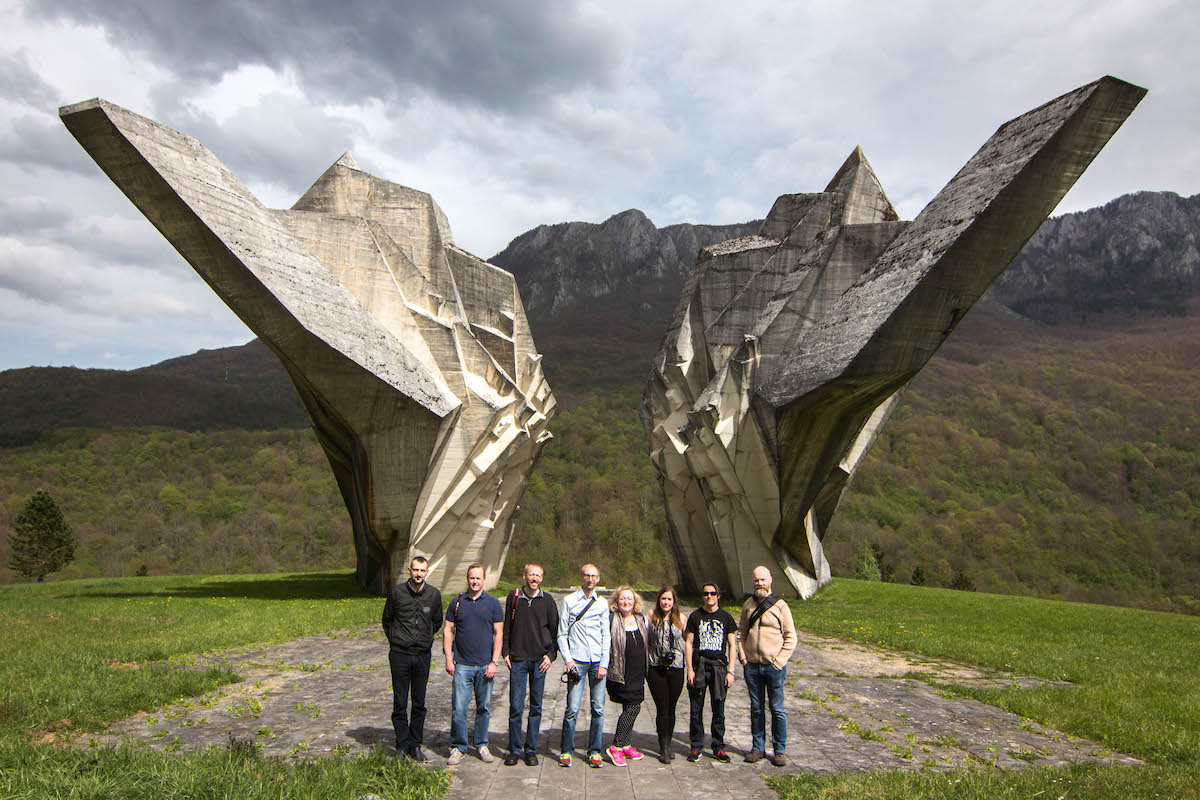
[
  {"x": 627, "y": 663},
  {"x": 665, "y": 676}
]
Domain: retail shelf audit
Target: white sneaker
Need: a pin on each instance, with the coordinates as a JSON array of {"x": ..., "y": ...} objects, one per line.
[
  {"x": 485, "y": 755},
  {"x": 456, "y": 757}
]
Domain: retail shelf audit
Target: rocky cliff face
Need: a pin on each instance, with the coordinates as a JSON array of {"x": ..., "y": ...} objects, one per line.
[
  {"x": 560, "y": 266},
  {"x": 1138, "y": 254}
]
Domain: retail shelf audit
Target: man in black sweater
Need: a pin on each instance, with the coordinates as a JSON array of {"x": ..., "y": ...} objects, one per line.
[
  {"x": 530, "y": 644},
  {"x": 412, "y": 616}
]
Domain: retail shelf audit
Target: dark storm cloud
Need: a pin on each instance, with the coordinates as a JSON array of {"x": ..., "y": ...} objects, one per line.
[
  {"x": 282, "y": 140},
  {"x": 20, "y": 82},
  {"x": 499, "y": 54},
  {"x": 41, "y": 141}
]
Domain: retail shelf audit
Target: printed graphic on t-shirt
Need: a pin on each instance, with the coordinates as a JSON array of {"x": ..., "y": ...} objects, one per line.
[{"x": 712, "y": 635}]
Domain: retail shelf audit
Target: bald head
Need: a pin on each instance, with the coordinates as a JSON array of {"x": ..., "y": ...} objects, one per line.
[{"x": 762, "y": 582}]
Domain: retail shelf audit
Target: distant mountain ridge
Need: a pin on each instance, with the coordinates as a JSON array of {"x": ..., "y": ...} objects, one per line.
[
  {"x": 599, "y": 296},
  {"x": 559, "y": 266},
  {"x": 1138, "y": 254}
]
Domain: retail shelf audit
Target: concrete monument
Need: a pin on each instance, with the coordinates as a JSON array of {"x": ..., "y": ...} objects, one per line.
[
  {"x": 413, "y": 358},
  {"x": 788, "y": 350}
]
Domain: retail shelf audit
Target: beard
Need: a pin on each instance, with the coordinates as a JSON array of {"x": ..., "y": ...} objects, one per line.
[{"x": 760, "y": 594}]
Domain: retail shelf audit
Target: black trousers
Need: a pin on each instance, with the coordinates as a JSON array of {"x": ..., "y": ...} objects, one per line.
[
  {"x": 665, "y": 684},
  {"x": 410, "y": 676},
  {"x": 696, "y": 725}
]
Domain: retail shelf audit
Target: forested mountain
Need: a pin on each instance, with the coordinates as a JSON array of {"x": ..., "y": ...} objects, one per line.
[
  {"x": 1060, "y": 460},
  {"x": 233, "y": 387}
]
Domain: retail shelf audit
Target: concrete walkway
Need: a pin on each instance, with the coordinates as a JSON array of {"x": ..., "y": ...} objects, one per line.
[{"x": 848, "y": 710}]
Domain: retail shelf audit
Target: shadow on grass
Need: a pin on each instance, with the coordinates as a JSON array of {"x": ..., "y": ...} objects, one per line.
[{"x": 316, "y": 586}]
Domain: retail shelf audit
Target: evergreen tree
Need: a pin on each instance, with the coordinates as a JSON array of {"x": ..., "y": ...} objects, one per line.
[
  {"x": 918, "y": 576},
  {"x": 886, "y": 570},
  {"x": 41, "y": 542},
  {"x": 962, "y": 582},
  {"x": 866, "y": 567}
]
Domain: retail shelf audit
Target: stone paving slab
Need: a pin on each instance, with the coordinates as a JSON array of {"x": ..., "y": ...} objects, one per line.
[{"x": 849, "y": 709}]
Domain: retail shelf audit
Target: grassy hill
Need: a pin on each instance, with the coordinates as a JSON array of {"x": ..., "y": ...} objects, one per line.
[{"x": 1052, "y": 461}]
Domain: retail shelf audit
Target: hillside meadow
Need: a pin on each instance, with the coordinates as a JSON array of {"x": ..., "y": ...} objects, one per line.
[{"x": 1054, "y": 462}]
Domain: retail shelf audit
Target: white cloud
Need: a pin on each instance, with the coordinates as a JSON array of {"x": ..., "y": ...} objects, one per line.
[{"x": 514, "y": 116}]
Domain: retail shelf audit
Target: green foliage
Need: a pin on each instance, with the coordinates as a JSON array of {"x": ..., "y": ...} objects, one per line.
[
  {"x": 237, "y": 771},
  {"x": 174, "y": 502},
  {"x": 41, "y": 542},
  {"x": 866, "y": 566},
  {"x": 962, "y": 582},
  {"x": 918, "y": 576}
]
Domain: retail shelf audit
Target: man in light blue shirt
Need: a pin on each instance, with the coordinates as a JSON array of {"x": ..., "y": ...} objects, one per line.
[{"x": 583, "y": 641}]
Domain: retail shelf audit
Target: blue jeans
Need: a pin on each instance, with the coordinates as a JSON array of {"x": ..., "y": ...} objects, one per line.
[
  {"x": 574, "y": 695},
  {"x": 470, "y": 680},
  {"x": 764, "y": 680},
  {"x": 522, "y": 672}
]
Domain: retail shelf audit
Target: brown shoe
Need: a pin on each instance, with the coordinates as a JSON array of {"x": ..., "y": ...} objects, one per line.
[
  {"x": 754, "y": 756},
  {"x": 779, "y": 759}
]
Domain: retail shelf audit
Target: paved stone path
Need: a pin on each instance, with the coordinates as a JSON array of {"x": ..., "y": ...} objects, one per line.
[{"x": 848, "y": 710}]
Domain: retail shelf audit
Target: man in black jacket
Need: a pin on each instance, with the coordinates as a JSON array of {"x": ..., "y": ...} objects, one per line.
[
  {"x": 412, "y": 616},
  {"x": 530, "y": 644}
]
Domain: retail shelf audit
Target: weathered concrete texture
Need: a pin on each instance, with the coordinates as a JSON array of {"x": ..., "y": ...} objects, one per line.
[
  {"x": 850, "y": 708},
  {"x": 788, "y": 350},
  {"x": 412, "y": 357}
]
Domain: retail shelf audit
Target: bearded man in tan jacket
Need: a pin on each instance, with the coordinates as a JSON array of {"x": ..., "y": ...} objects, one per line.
[{"x": 767, "y": 638}]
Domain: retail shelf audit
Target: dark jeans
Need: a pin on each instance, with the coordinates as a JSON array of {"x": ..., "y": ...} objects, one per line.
[
  {"x": 696, "y": 725},
  {"x": 665, "y": 684},
  {"x": 766, "y": 683},
  {"x": 523, "y": 671},
  {"x": 410, "y": 675}
]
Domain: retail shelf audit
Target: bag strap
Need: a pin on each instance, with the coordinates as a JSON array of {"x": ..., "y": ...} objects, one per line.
[
  {"x": 761, "y": 609},
  {"x": 580, "y": 615}
]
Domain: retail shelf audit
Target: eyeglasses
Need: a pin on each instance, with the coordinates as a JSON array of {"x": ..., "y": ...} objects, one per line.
[{"x": 708, "y": 594}]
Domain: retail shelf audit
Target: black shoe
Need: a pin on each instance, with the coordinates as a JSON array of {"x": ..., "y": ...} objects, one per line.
[
  {"x": 531, "y": 759},
  {"x": 722, "y": 756},
  {"x": 754, "y": 755},
  {"x": 511, "y": 759},
  {"x": 694, "y": 755},
  {"x": 417, "y": 754}
]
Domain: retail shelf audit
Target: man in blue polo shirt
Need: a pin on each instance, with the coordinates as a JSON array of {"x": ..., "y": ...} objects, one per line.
[{"x": 471, "y": 641}]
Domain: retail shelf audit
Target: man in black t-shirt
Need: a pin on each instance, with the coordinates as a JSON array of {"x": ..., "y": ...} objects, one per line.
[{"x": 709, "y": 644}]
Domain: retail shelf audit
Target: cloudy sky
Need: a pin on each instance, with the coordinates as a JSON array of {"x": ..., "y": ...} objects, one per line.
[{"x": 513, "y": 114}]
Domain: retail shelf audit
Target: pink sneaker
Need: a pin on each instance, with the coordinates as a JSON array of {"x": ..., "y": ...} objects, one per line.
[
  {"x": 617, "y": 756},
  {"x": 632, "y": 754}
]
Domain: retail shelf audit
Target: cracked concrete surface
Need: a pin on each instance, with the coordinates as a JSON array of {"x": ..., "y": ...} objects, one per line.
[{"x": 849, "y": 709}]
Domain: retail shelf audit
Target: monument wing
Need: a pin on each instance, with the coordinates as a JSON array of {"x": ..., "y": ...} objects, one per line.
[
  {"x": 789, "y": 350},
  {"x": 412, "y": 357}
]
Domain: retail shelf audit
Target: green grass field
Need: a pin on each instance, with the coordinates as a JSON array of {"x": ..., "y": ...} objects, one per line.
[
  {"x": 1136, "y": 676},
  {"x": 58, "y": 679}
]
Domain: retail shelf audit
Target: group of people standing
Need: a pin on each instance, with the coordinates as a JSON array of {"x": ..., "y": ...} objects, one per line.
[{"x": 610, "y": 647}]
